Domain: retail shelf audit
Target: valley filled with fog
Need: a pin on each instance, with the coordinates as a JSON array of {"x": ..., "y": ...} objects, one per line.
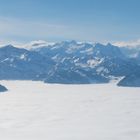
[{"x": 34, "y": 110}]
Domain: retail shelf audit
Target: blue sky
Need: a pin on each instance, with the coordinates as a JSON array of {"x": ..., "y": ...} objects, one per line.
[{"x": 83, "y": 20}]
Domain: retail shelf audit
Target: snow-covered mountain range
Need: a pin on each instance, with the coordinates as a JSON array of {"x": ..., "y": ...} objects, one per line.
[{"x": 70, "y": 62}]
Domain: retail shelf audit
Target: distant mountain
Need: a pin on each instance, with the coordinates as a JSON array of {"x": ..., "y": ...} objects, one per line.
[
  {"x": 67, "y": 62},
  {"x": 3, "y": 89},
  {"x": 132, "y": 80},
  {"x": 18, "y": 63},
  {"x": 95, "y": 63},
  {"x": 131, "y": 52}
]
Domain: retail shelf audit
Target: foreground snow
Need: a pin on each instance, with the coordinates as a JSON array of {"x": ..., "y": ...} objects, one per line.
[{"x": 38, "y": 111}]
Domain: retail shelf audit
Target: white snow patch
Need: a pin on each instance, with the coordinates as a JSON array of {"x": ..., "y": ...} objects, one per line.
[
  {"x": 76, "y": 60},
  {"x": 94, "y": 62},
  {"x": 73, "y": 48},
  {"x": 23, "y": 57},
  {"x": 82, "y": 65},
  {"x": 102, "y": 69},
  {"x": 88, "y": 51},
  {"x": 8, "y": 59},
  {"x": 55, "y": 57}
]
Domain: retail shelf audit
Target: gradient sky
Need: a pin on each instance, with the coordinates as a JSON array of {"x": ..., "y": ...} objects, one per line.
[{"x": 56, "y": 20}]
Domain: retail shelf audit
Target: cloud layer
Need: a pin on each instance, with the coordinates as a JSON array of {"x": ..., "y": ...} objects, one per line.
[{"x": 134, "y": 43}]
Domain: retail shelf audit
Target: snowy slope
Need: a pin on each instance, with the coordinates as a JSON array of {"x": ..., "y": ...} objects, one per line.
[{"x": 38, "y": 111}]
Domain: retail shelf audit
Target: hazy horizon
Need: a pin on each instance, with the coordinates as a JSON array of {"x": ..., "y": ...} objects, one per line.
[{"x": 53, "y": 21}]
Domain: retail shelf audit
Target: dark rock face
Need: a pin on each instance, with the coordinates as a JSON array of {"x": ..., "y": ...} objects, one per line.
[
  {"x": 132, "y": 80},
  {"x": 3, "y": 89}
]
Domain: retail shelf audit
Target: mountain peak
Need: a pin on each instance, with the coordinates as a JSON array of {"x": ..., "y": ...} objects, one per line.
[
  {"x": 73, "y": 42},
  {"x": 8, "y": 46},
  {"x": 109, "y": 44}
]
